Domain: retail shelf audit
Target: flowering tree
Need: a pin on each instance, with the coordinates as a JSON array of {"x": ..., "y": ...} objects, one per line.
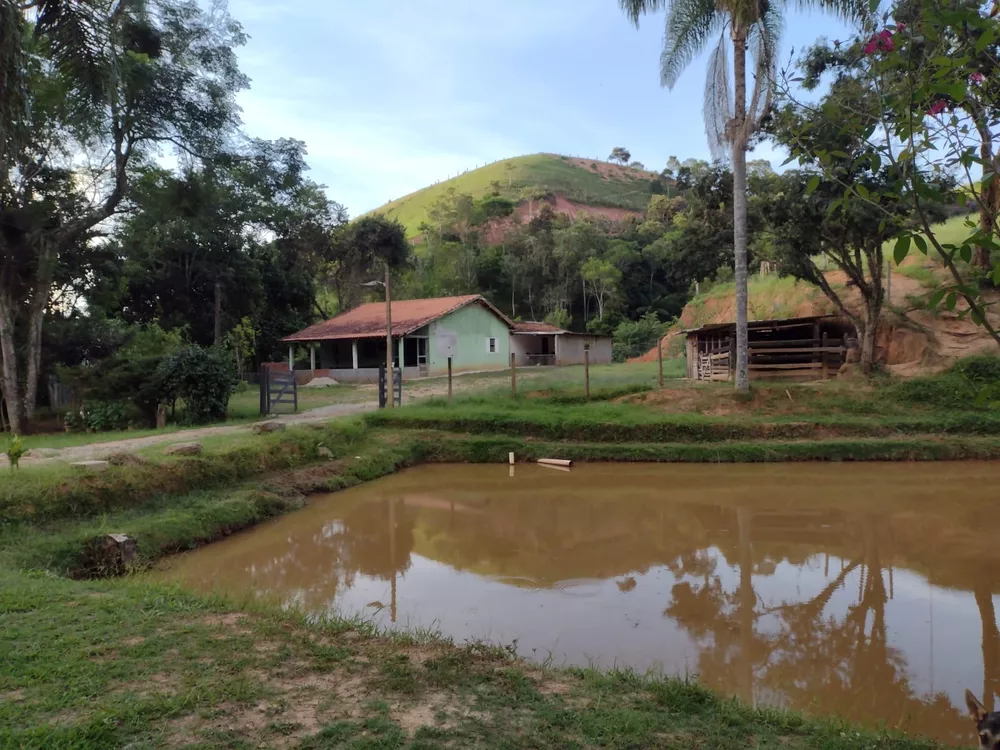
[{"x": 918, "y": 96}]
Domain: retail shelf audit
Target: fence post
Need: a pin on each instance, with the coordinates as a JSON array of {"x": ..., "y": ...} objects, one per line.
[
  {"x": 586, "y": 373},
  {"x": 262, "y": 384},
  {"x": 659, "y": 360},
  {"x": 513, "y": 374},
  {"x": 449, "y": 380},
  {"x": 295, "y": 393}
]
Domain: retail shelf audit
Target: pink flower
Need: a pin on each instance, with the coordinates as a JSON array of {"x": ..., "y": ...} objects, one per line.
[
  {"x": 836, "y": 43},
  {"x": 900, "y": 27},
  {"x": 976, "y": 77},
  {"x": 887, "y": 44},
  {"x": 872, "y": 47},
  {"x": 937, "y": 107}
]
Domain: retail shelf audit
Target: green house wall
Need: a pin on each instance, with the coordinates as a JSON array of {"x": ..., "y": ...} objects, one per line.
[{"x": 473, "y": 326}]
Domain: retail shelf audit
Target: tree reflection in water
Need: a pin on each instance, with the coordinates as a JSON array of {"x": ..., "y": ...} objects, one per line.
[{"x": 709, "y": 547}]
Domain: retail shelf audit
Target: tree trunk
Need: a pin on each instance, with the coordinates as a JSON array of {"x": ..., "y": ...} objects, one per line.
[
  {"x": 36, "y": 314},
  {"x": 11, "y": 382},
  {"x": 873, "y": 309},
  {"x": 990, "y": 196},
  {"x": 218, "y": 313},
  {"x": 739, "y": 157}
]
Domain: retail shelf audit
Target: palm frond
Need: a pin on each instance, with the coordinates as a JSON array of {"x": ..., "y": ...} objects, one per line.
[
  {"x": 718, "y": 105},
  {"x": 634, "y": 9},
  {"x": 71, "y": 29},
  {"x": 690, "y": 24},
  {"x": 764, "y": 41},
  {"x": 846, "y": 10}
]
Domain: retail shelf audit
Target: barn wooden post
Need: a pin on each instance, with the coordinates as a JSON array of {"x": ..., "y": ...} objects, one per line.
[
  {"x": 513, "y": 374},
  {"x": 826, "y": 370}
]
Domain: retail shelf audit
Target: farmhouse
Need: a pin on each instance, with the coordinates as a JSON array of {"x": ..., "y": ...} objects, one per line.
[
  {"x": 545, "y": 344},
  {"x": 810, "y": 348},
  {"x": 426, "y": 332}
]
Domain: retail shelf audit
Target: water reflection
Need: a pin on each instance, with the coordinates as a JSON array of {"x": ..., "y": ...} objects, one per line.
[{"x": 859, "y": 591}]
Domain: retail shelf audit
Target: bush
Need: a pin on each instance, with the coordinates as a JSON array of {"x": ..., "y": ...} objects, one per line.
[
  {"x": 203, "y": 379},
  {"x": 106, "y": 382},
  {"x": 633, "y": 338},
  {"x": 982, "y": 369}
]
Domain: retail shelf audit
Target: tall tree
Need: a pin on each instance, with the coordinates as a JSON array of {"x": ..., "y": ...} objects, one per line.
[
  {"x": 89, "y": 91},
  {"x": 621, "y": 155},
  {"x": 729, "y": 118}
]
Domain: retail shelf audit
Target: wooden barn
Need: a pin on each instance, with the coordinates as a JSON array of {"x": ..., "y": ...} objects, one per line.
[{"x": 811, "y": 348}]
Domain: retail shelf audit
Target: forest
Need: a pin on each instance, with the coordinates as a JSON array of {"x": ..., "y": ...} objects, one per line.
[{"x": 141, "y": 220}]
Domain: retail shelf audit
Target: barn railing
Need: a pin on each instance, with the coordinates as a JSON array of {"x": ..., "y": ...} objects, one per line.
[{"x": 803, "y": 359}]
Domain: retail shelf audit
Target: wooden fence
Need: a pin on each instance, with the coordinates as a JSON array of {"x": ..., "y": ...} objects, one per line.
[{"x": 800, "y": 359}]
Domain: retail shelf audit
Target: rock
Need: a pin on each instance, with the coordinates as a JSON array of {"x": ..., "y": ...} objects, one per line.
[
  {"x": 41, "y": 453},
  {"x": 262, "y": 427},
  {"x": 352, "y": 635},
  {"x": 183, "y": 449},
  {"x": 93, "y": 465},
  {"x": 320, "y": 383},
  {"x": 324, "y": 452},
  {"x": 110, "y": 554}
]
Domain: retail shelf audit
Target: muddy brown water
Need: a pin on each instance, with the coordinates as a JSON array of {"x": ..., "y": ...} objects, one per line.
[{"x": 864, "y": 591}]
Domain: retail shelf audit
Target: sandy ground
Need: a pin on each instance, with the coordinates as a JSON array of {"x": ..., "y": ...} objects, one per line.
[
  {"x": 94, "y": 451},
  {"x": 414, "y": 391}
]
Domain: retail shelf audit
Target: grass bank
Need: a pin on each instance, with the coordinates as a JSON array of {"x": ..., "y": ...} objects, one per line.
[
  {"x": 126, "y": 661},
  {"x": 129, "y": 663},
  {"x": 59, "y": 492},
  {"x": 617, "y": 423}
]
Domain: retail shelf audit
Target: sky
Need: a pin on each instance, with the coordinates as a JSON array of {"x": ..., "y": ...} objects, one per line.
[{"x": 393, "y": 95}]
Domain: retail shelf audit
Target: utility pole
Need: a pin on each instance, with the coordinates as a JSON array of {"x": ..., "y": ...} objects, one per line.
[{"x": 390, "y": 393}]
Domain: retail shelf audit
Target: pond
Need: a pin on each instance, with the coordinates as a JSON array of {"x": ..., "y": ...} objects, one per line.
[{"x": 865, "y": 591}]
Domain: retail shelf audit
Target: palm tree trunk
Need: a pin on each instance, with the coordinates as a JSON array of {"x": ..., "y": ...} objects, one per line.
[{"x": 739, "y": 157}]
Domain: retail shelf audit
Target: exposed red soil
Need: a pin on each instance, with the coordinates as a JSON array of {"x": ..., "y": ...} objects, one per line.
[{"x": 560, "y": 204}]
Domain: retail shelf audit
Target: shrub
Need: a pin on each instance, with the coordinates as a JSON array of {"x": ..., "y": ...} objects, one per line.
[
  {"x": 107, "y": 382},
  {"x": 203, "y": 379},
  {"x": 982, "y": 369},
  {"x": 633, "y": 338}
]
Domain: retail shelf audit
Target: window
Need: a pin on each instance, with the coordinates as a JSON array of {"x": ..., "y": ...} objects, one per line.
[{"x": 491, "y": 345}]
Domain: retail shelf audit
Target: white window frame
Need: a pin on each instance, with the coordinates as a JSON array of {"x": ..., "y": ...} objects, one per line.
[{"x": 492, "y": 345}]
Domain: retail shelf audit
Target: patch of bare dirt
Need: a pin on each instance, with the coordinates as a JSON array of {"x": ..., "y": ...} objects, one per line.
[
  {"x": 560, "y": 204},
  {"x": 12, "y": 696}
]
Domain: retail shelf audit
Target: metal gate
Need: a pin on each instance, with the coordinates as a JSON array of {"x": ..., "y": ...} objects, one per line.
[
  {"x": 277, "y": 388},
  {"x": 397, "y": 386}
]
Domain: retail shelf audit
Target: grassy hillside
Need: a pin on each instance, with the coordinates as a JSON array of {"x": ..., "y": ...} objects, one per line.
[{"x": 581, "y": 180}]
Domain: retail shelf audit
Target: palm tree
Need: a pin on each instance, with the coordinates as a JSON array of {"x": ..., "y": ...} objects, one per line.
[{"x": 730, "y": 122}]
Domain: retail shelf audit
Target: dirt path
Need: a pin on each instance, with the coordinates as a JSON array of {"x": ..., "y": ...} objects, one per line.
[{"x": 100, "y": 450}]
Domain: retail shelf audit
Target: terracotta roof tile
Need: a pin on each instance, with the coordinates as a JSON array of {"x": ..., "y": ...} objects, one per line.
[
  {"x": 531, "y": 326},
  {"x": 368, "y": 320}
]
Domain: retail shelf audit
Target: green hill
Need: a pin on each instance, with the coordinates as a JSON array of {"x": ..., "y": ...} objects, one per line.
[{"x": 594, "y": 183}]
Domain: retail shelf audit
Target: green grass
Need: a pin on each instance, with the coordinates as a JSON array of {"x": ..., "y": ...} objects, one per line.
[
  {"x": 538, "y": 173},
  {"x": 611, "y": 423},
  {"x": 245, "y": 406},
  {"x": 130, "y": 663},
  {"x": 57, "y": 493}
]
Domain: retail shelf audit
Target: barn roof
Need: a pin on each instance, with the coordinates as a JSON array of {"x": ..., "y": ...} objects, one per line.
[
  {"x": 368, "y": 320},
  {"x": 775, "y": 323}
]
